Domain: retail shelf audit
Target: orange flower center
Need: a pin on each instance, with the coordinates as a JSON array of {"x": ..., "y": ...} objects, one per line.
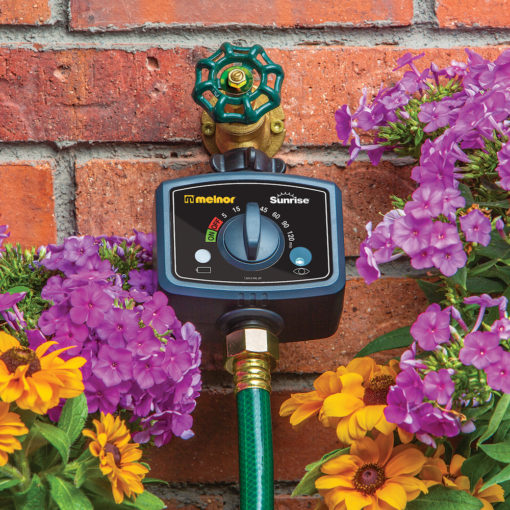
[
  {"x": 18, "y": 356},
  {"x": 377, "y": 390},
  {"x": 368, "y": 478},
  {"x": 111, "y": 448}
]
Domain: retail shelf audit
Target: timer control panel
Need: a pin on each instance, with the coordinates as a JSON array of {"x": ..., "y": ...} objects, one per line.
[{"x": 250, "y": 233}]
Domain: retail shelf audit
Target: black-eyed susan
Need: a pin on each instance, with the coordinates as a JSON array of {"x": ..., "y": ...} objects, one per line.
[
  {"x": 359, "y": 407},
  {"x": 36, "y": 380},
  {"x": 301, "y": 406},
  {"x": 374, "y": 476},
  {"x": 436, "y": 471},
  {"x": 10, "y": 426},
  {"x": 118, "y": 457}
]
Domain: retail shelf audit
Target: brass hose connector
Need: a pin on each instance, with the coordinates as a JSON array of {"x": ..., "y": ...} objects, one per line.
[{"x": 251, "y": 355}]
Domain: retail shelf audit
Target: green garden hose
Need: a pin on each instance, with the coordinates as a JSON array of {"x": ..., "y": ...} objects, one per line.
[
  {"x": 252, "y": 378},
  {"x": 255, "y": 449}
]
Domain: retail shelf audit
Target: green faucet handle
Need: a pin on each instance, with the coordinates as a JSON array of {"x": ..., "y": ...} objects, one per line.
[{"x": 228, "y": 75}]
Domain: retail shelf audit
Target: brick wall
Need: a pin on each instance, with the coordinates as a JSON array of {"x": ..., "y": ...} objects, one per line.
[{"x": 95, "y": 111}]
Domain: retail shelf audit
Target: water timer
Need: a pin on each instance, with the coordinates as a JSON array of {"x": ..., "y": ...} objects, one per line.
[{"x": 260, "y": 245}]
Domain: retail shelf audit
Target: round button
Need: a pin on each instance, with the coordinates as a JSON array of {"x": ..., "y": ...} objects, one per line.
[
  {"x": 300, "y": 256},
  {"x": 202, "y": 256}
]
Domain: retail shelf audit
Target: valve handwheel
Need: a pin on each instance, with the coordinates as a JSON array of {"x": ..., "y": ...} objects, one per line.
[{"x": 230, "y": 78}]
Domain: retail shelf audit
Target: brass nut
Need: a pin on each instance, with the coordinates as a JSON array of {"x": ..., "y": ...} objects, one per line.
[
  {"x": 276, "y": 126},
  {"x": 253, "y": 340},
  {"x": 208, "y": 128},
  {"x": 237, "y": 78}
]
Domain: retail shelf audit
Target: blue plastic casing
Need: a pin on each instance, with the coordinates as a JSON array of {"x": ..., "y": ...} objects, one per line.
[{"x": 309, "y": 309}]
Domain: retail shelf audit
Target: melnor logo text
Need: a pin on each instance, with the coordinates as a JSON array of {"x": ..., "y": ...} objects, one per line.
[{"x": 214, "y": 199}]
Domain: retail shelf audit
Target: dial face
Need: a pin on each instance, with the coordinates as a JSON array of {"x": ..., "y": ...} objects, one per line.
[{"x": 201, "y": 215}]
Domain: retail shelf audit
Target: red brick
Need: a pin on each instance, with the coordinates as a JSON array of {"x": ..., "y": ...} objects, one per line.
[
  {"x": 211, "y": 456},
  {"x": 115, "y": 95},
  {"x": 24, "y": 12},
  {"x": 282, "y": 502},
  {"x": 208, "y": 502},
  {"x": 473, "y": 13},
  {"x": 27, "y": 204},
  {"x": 127, "y": 187},
  {"x": 90, "y": 14},
  {"x": 369, "y": 311}
]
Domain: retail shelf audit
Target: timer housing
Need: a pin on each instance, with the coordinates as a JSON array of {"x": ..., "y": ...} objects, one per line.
[{"x": 252, "y": 246}]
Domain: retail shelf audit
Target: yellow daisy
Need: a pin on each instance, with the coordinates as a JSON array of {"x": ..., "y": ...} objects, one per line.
[
  {"x": 374, "y": 476},
  {"x": 117, "y": 456},
  {"x": 359, "y": 407},
  {"x": 36, "y": 380},
  {"x": 10, "y": 426},
  {"x": 436, "y": 471}
]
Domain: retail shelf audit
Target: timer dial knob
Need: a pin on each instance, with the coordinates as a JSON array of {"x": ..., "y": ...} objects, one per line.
[{"x": 251, "y": 241}]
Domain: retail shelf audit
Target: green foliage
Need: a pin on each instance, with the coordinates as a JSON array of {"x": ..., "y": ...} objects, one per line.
[
  {"x": 393, "y": 340},
  {"x": 441, "y": 498}
]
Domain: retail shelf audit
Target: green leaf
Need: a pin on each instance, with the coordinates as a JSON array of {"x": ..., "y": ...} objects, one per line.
[
  {"x": 497, "y": 249},
  {"x": 477, "y": 467},
  {"x": 73, "y": 417},
  {"x": 56, "y": 437},
  {"x": 395, "y": 339},
  {"x": 465, "y": 191},
  {"x": 459, "y": 278},
  {"x": 7, "y": 483},
  {"x": 67, "y": 496},
  {"x": 306, "y": 486},
  {"x": 480, "y": 285},
  {"x": 146, "y": 501},
  {"x": 502, "y": 476},
  {"x": 480, "y": 269},
  {"x": 432, "y": 290},
  {"x": 496, "y": 418},
  {"x": 498, "y": 451},
  {"x": 85, "y": 471},
  {"x": 441, "y": 498},
  {"x": 33, "y": 497},
  {"x": 17, "y": 289}
]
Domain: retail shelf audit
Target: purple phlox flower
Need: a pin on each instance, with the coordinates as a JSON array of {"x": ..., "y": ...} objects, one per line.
[
  {"x": 374, "y": 152},
  {"x": 408, "y": 358},
  {"x": 49, "y": 319},
  {"x": 3, "y": 233},
  {"x": 457, "y": 316},
  {"x": 170, "y": 423},
  {"x": 381, "y": 242},
  {"x": 443, "y": 235},
  {"x": 423, "y": 259},
  {"x": 432, "y": 327},
  {"x": 177, "y": 359},
  {"x": 145, "y": 240},
  {"x": 367, "y": 265},
  {"x": 79, "y": 249},
  {"x": 450, "y": 259},
  {"x": 499, "y": 225},
  {"x": 397, "y": 411},
  {"x": 412, "y": 234},
  {"x": 476, "y": 227},
  {"x": 452, "y": 200},
  {"x": 94, "y": 270},
  {"x": 467, "y": 427},
  {"x": 113, "y": 365},
  {"x": 149, "y": 370},
  {"x": 503, "y": 168},
  {"x": 498, "y": 374},
  {"x": 408, "y": 59},
  {"x": 67, "y": 329},
  {"x": 35, "y": 338},
  {"x": 438, "y": 114},
  {"x": 55, "y": 290},
  {"x": 456, "y": 69},
  {"x": 192, "y": 336},
  {"x": 396, "y": 99},
  {"x": 411, "y": 384},
  {"x": 501, "y": 328},
  {"x": 144, "y": 343},
  {"x": 354, "y": 148},
  {"x": 344, "y": 126},
  {"x": 142, "y": 280},
  {"x": 7, "y": 301},
  {"x": 438, "y": 386},
  {"x": 485, "y": 301},
  {"x": 427, "y": 202},
  {"x": 118, "y": 326},
  {"x": 481, "y": 349},
  {"x": 369, "y": 118},
  {"x": 89, "y": 304},
  {"x": 157, "y": 313},
  {"x": 437, "y": 422},
  {"x": 412, "y": 82},
  {"x": 100, "y": 397}
]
